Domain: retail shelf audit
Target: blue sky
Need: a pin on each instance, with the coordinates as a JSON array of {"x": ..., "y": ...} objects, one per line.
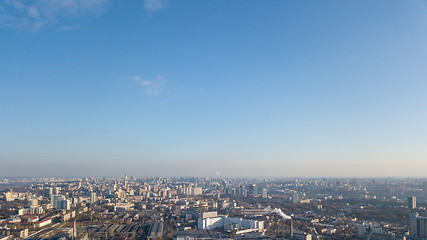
[{"x": 248, "y": 88}]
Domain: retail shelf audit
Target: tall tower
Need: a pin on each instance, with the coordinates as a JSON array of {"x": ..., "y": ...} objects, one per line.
[
  {"x": 93, "y": 197},
  {"x": 294, "y": 197},
  {"x": 412, "y": 202},
  {"x": 264, "y": 193},
  {"x": 417, "y": 227}
]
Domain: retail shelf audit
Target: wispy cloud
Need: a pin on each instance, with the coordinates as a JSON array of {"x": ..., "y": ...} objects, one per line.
[
  {"x": 67, "y": 28},
  {"x": 153, "y": 5},
  {"x": 152, "y": 87},
  {"x": 35, "y": 14}
]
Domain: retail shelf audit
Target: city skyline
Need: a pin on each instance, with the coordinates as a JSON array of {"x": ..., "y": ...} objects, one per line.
[{"x": 188, "y": 88}]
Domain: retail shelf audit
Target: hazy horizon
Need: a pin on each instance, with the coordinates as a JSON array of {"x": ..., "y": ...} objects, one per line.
[{"x": 188, "y": 88}]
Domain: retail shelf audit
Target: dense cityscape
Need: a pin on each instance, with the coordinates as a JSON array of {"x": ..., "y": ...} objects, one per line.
[{"x": 187, "y": 208}]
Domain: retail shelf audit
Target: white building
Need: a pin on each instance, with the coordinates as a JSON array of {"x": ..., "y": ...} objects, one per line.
[
  {"x": 93, "y": 197},
  {"x": 36, "y": 210},
  {"x": 229, "y": 223},
  {"x": 264, "y": 193},
  {"x": 197, "y": 191},
  {"x": 44, "y": 222},
  {"x": 209, "y": 214},
  {"x": 23, "y": 211}
]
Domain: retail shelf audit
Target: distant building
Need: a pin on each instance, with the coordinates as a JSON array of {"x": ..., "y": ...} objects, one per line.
[
  {"x": 197, "y": 191},
  {"x": 93, "y": 197},
  {"x": 33, "y": 202},
  {"x": 209, "y": 214},
  {"x": 254, "y": 211},
  {"x": 294, "y": 197},
  {"x": 226, "y": 223},
  {"x": 44, "y": 222},
  {"x": 48, "y": 192},
  {"x": 156, "y": 231},
  {"x": 361, "y": 231},
  {"x": 264, "y": 193},
  {"x": 412, "y": 202},
  {"x": 189, "y": 190},
  {"x": 417, "y": 227},
  {"x": 23, "y": 211},
  {"x": 36, "y": 210},
  {"x": 254, "y": 189},
  {"x": 60, "y": 202}
]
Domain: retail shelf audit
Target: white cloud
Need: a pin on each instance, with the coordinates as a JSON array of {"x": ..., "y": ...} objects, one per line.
[
  {"x": 35, "y": 14},
  {"x": 147, "y": 83},
  {"x": 137, "y": 78},
  {"x": 153, "y": 5},
  {"x": 152, "y": 87}
]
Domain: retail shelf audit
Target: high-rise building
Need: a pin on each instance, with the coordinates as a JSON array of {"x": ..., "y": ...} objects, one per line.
[
  {"x": 60, "y": 202},
  {"x": 412, "y": 202},
  {"x": 189, "y": 190},
  {"x": 417, "y": 227},
  {"x": 48, "y": 192},
  {"x": 254, "y": 189},
  {"x": 54, "y": 200},
  {"x": 294, "y": 197},
  {"x": 93, "y": 197},
  {"x": 264, "y": 193}
]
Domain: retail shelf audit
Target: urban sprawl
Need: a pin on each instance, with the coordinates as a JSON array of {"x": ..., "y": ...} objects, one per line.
[{"x": 187, "y": 208}]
